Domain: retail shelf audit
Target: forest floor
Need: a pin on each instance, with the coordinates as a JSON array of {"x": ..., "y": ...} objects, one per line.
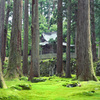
[{"x": 54, "y": 88}]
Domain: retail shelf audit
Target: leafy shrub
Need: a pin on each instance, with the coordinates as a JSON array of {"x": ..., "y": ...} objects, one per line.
[
  {"x": 5, "y": 66},
  {"x": 24, "y": 78},
  {"x": 96, "y": 66},
  {"x": 46, "y": 66},
  {"x": 73, "y": 65}
]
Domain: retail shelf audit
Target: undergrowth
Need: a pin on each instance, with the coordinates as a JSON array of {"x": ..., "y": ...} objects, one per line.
[{"x": 53, "y": 88}]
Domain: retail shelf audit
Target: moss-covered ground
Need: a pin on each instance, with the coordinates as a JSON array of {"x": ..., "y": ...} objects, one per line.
[{"x": 52, "y": 89}]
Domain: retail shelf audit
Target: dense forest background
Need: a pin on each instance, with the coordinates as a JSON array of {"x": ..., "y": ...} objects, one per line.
[
  {"x": 48, "y": 19},
  {"x": 49, "y": 49},
  {"x": 23, "y": 23}
]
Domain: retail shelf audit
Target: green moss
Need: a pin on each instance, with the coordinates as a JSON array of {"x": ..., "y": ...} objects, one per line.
[
  {"x": 24, "y": 78},
  {"x": 16, "y": 87},
  {"x": 70, "y": 83},
  {"x": 25, "y": 86},
  {"x": 12, "y": 97},
  {"x": 51, "y": 89},
  {"x": 89, "y": 93},
  {"x": 1, "y": 85},
  {"x": 5, "y": 66},
  {"x": 36, "y": 79}
]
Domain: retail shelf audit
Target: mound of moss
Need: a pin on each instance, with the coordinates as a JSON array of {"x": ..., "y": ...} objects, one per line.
[
  {"x": 25, "y": 86},
  {"x": 24, "y": 78},
  {"x": 89, "y": 93},
  {"x": 22, "y": 87},
  {"x": 35, "y": 79},
  {"x": 11, "y": 97},
  {"x": 16, "y": 87},
  {"x": 71, "y": 84}
]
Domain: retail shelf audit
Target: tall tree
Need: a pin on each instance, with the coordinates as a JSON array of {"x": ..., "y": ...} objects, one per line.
[
  {"x": 93, "y": 30},
  {"x": 85, "y": 69},
  {"x": 3, "y": 16},
  {"x": 2, "y": 83},
  {"x": 68, "y": 69},
  {"x": 59, "y": 39},
  {"x": 19, "y": 36},
  {"x": 48, "y": 15},
  {"x": 13, "y": 70},
  {"x": 25, "y": 50},
  {"x": 5, "y": 30},
  {"x": 54, "y": 2},
  {"x": 35, "y": 70}
]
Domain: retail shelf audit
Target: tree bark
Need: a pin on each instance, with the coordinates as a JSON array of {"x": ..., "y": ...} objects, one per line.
[
  {"x": 13, "y": 70},
  {"x": 19, "y": 36},
  {"x": 76, "y": 30},
  {"x": 5, "y": 31},
  {"x": 85, "y": 69},
  {"x": 35, "y": 70},
  {"x": 54, "y": 2},
  {"x": 68, "y": 69},
  {"x": 3, "y": 16},
  {"x": 25, "y": 50},
  {"x": 59, "y": 39},
  {"x": 48, "y": 15},
  {"x": 2, "y": 82},
  {"x": 93, "y": 31}
]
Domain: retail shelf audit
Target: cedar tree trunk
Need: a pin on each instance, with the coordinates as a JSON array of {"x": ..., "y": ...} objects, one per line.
[
  {"x": 35, "y": 70},
  {"x": 5, "y": 30},
  {"x": 85, "y": 69},
  {"x": 68, "y": 69},
  {"x": 93, "y": 31},
  {"x": 2, "y": 83},
  {"x": 59, "y": 39},
  {"x": 14, "y": 63},
  {"x": 3, "y": 16},
  {"x": 25, "y": 50},
  {"x": 19, "y": 36}
]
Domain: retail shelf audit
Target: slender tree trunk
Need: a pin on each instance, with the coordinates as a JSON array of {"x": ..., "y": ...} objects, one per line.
[
  {"x": 93, "y": 31},
  {"x": 85, "y": 69},
  {"x": 76, "y": 31},
  {"x": 54, "y": 2},
  {"x": 49, "y": 2},
  {"x": 14, "y": 64},
  {"x": 25, "y": 50},
  {"x": 2, "y": 83},
  {"x": 35, "y": 70},
  {"x": 19, "y": 36},
  {"x": 3, "y": 16},
  {"x": 5, "y": 31},
  {"x": 68, "y": 69},
  {"x": 59, "y": 39}
]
